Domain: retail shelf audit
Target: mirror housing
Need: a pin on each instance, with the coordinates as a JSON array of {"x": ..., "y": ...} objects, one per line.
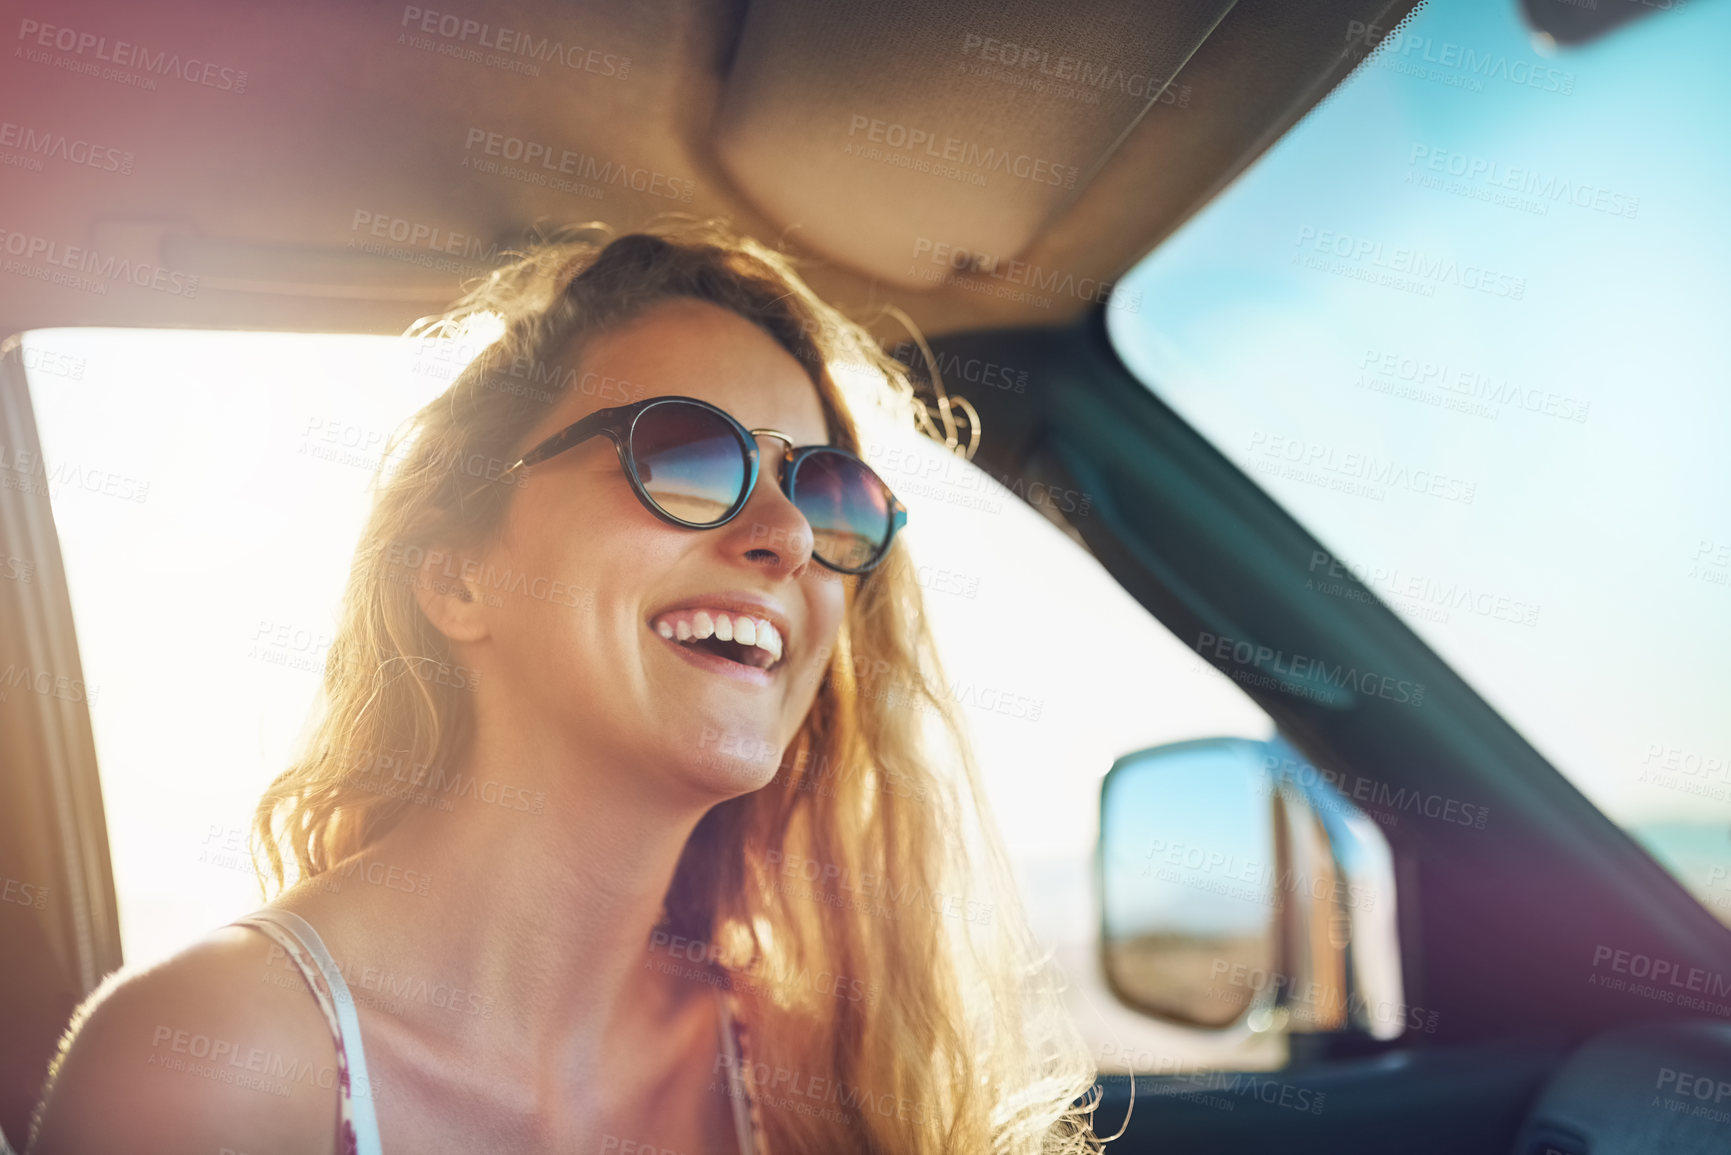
[{"x": 1237, "y": 885}]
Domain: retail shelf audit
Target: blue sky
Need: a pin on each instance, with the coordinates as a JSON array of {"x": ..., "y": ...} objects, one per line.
[{"x": 1508, "y": 278}]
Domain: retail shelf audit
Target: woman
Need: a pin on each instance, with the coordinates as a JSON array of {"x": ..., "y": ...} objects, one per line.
[{"x": 630, "y": 822}]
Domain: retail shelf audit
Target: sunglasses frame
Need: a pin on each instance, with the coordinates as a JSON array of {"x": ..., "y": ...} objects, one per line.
[{"x": 619, "y": 422}]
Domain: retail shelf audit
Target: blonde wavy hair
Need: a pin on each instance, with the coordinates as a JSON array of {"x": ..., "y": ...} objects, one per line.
[{"x": 960, "y": 1042}]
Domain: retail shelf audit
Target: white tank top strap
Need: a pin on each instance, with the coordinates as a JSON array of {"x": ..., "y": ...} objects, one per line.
[
  {"x": 736, "y": 1045},
  {"x": 357, "y": 1125}
]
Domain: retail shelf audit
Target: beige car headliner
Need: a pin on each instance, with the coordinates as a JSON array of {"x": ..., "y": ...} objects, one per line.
[{"x": 343, "y": 167}]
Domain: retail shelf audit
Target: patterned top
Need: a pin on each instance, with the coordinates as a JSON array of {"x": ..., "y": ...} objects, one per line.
[{"x": 357, "y": 1125}]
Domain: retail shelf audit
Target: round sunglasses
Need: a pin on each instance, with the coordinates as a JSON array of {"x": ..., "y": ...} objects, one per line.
[{"x": 693, "y": 465}]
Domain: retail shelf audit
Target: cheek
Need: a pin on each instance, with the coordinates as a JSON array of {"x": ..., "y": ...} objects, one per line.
[
  {"x": 825, "y": 612},
  {"x": 559, "y": 571},
  {"x": 587, "y": 532}
]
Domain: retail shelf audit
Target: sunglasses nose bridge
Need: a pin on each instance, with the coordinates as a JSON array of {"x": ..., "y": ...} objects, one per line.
[
  {"x": 779, "y": 477},
  {"x": 786, "y": 449}
]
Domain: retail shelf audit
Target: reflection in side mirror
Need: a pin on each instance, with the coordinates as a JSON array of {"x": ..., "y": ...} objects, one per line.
[{"x": 1187, "y": 866}]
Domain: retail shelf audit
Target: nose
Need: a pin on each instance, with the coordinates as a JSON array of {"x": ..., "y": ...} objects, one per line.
[{"x": 770, "y": 530}]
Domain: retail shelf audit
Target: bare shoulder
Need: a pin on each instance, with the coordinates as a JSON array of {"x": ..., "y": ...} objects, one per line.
[{"x": 221, "y": 1046}]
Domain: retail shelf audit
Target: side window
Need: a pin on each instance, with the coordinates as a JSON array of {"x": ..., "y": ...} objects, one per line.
[{"x": 207, "y": 489}]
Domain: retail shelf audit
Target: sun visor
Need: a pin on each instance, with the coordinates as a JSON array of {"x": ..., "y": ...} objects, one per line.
[{"x": 913, "y": 140}]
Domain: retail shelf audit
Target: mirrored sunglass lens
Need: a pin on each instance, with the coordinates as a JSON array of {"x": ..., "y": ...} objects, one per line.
[
  {"x": 847, "y": 507},
  {"x": 689, "y": 460}
]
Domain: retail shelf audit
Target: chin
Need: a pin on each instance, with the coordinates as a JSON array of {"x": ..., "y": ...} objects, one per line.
[{"x": 730, "y": 762}]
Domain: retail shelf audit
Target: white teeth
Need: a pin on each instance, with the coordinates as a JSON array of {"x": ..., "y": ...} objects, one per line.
[
  {"x": 769, "y": 638},
  {"x": 746, "y": 631}
]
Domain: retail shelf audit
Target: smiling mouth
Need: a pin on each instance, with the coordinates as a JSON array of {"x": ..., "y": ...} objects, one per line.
[{"x": 734, "y": 637}]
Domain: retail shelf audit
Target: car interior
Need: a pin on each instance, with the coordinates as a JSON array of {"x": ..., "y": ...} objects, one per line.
[{"x": 983, "y": 175}]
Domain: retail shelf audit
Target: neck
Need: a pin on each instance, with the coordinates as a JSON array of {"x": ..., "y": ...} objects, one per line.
[{"x": 546, "y": 916}]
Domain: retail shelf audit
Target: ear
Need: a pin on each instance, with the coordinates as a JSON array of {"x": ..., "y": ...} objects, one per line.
[{"x": 450, "y": 595}]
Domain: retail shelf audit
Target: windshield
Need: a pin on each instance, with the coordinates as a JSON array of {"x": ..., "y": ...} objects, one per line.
[{"x": 1467, "y": 323}]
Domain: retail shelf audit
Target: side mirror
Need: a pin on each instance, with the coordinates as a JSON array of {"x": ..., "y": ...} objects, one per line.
[{"x": 1236, "y": 884}]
